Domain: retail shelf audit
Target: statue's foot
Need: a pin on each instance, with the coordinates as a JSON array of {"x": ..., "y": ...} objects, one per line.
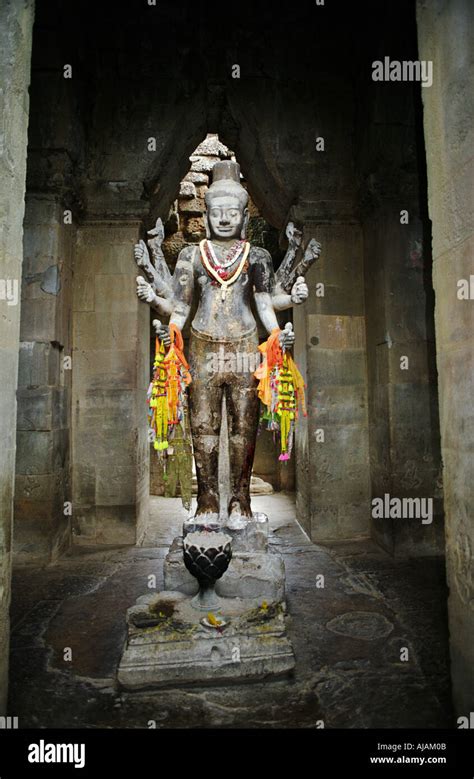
[
  {"x": 207, "y": 511},
  {"x": 240, "y": 513}
]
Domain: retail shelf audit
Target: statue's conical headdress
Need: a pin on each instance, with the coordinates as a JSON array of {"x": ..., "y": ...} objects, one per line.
[{"x": 226, "y": 181}]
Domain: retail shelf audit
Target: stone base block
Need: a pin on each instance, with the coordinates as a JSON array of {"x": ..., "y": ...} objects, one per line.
[
  {"x": 249, "y": 575},
  {"x": 168, "y": 644}
]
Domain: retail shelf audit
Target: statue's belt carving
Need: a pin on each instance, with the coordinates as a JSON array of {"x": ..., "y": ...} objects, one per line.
[{"x": 231, "y": 340}]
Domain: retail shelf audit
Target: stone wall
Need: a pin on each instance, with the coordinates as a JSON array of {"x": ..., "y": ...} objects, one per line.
[
  {"x": 16, "y": 21},
  {"x": 110, "y": 377},
  {"x": 333, "y": 488},
  {"x": 405, "y": 457},
  {"x": 445, "y": 35},
  {"x": 42, "y": 484}
]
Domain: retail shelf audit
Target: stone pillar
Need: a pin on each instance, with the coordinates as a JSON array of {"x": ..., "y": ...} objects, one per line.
[
  {"x": 110, "y": 379},
  {"x": 42, "y": 484},
  {"x": 403, "y": 404},
  {"x": 16, "y": 22},
  {"x": 332, "y": 457},
  {"x": 445, "y": 34}
]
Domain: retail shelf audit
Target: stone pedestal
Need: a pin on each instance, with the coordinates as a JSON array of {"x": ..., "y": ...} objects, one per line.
[
  {"x": 169, "y": 643},
  {"x": 253, "y": 572},
  {"x": 249, "y": 575}
]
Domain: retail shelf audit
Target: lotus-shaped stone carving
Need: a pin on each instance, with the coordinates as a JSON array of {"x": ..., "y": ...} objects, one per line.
[{"x": 207, "y": 556}]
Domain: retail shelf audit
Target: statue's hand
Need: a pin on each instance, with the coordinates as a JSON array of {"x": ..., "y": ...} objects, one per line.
[
  {"x": 162, "y": 331},
  {"x": 299, "y": 291},
  {"x": 294, "y": 235},
  {"x": 312, "y": 251},
  {"x": 287, "y": 337},
  {"x": 141, "y": 254},
  {"x": 144, "y": 290}
]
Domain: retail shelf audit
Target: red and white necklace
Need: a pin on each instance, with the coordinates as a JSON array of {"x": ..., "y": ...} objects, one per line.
[{"x": 218, "y": 270}]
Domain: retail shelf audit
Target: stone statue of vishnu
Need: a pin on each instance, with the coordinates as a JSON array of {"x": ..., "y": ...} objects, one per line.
[{"x": 226, "y": 273}]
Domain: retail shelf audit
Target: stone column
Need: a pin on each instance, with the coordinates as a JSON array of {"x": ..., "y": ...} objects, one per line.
[
  {"x": 445, "y": 34},
  {"x": 16, "y": 22},
  {"x": 332, "y": 457},
  {"x": 403, "y": 407},
  {"x": 111, "y": 373},
  {"x": 42, "y": 521}
]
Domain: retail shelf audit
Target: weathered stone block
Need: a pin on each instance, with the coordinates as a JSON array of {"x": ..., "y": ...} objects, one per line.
[
  {"x": 337, "y": 405},
  {"x": 39, "y": 320},
  {"x": 39, "y": 364},
  {"x": 122, "y": 442},
  {"x": 335, "y": 522},
  {"x": 116, "y": 524},
  {"x": 101, "y": 369},
  {"x": 42, "y": 409},
  {"x": 106, "y": 330},
  {"x": 203, "y": 164},
  {"x": 116, "y": 294},
  {"x": 337, "y": 332},
  {"x": 84, "y": 483},
  {"x": 172, "y": 246},
  {"x": 456, "y": 371},
  {"x": 212, "y": 147},
  {"x": 187, "y": 190},
  {"x": 193, "y": 229},
  {"x": 84, "y": 524},
  {"x": 192, "y": 207},
  {"x": 417, "y": 359},
  {"x": 454, "y": 317},
  {"x": 41, "y": 245},
  {"x": 41, "y": 451},
  {"x": 39, "y": 486},
  {"x": 197, "y": 177},
  {"x": 333, "y": 367},
  {"x": 413, "y": 405},
  {"x": 110, "y": 255},
  {"x": 111, "y": 410},
  {"x": 115, "y": 485}
]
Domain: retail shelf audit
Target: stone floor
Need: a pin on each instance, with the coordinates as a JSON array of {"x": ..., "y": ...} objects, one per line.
[{"x": 347, "y": 638}]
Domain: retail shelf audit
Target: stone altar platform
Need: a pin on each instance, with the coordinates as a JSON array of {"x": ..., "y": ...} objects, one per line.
[{"x": 170, "y": 643}]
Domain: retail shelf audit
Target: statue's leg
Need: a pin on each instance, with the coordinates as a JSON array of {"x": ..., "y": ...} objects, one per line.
[
  {"x": 205, "y": 406},
  {"x": 242, "y": 411}
]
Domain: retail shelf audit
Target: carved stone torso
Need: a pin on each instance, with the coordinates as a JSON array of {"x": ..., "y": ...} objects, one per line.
[{"x": 232, "y": 318}]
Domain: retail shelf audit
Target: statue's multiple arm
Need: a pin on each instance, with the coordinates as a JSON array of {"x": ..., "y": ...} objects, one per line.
[
  {"x": 282, "y": 300},
  {"x": 264, "y": 285},
  {"x": 146, "y": 293},
  {"x": 288, "y": 288},
  {"x": 183, "y": 288},
  {"x": 157, "y": 292},
  {"x": 290, "y": 285}
]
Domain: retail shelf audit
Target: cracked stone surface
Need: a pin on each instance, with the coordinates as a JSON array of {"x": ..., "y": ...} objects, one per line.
[{"x": 349, "y": 637}]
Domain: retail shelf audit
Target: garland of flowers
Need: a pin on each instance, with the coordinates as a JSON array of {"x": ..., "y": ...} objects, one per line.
[
  {"x": 218, "y": 272},
  {"x": 281, "y": 389},
  {"x": 166, "y": 393}
]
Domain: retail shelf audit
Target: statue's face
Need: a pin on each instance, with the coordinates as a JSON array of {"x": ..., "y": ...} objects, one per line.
[{"x": 226, "y": 217}]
